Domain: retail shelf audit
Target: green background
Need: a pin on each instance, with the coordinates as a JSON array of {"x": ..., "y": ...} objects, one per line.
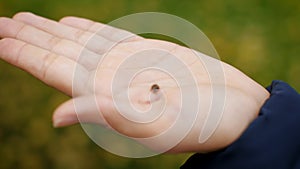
[{"x": 260, "y": 37}]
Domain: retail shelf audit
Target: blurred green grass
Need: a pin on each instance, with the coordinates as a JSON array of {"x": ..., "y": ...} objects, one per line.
[{"x": 260, "y": 37}]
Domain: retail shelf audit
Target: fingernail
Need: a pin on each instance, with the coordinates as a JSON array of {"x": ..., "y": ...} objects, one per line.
[{"x": 64, "y": 121}]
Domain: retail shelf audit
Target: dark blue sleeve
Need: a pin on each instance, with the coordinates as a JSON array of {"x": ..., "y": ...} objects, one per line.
[{"x": 272, "y": 141}]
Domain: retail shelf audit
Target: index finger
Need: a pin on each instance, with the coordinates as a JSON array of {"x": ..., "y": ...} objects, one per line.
[{"x": 54, "y": 70}]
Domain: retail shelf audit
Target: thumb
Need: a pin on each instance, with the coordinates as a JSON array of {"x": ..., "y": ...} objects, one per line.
[{"x": 82, "y": 109}]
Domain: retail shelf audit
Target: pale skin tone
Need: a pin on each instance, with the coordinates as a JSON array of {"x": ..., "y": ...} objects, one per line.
[{"x": 49, "y": 50}]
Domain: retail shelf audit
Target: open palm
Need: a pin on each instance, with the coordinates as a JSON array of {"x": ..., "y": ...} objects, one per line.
[{"x": 90, "y": 61}]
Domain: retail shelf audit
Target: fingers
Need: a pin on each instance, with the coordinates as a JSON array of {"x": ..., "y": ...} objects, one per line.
[
  {"x": 106, "y": 31},
  {"x": 97, "y": 44},
  {"x": 14, "y": 29},
  {"x": 53, "y": 27},
  {"x": 82, "y": 24},
  {"x": 18, "y": 30},
  {"x": 78, "y": 110},
  {"x": 49, "y": 67}
]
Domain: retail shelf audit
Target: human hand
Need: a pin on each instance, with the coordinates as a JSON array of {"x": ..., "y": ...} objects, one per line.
[{"x": 51, "y": 51}]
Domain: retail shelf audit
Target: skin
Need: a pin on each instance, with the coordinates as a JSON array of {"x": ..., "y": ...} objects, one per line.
[{"x": 49, "y": 50}]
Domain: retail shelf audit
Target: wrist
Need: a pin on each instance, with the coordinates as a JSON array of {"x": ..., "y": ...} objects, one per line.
[{"x": 244, "y": 99}]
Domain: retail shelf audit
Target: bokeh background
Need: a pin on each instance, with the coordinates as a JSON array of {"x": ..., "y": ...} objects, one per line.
[{"x": 260, "y": 37}]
